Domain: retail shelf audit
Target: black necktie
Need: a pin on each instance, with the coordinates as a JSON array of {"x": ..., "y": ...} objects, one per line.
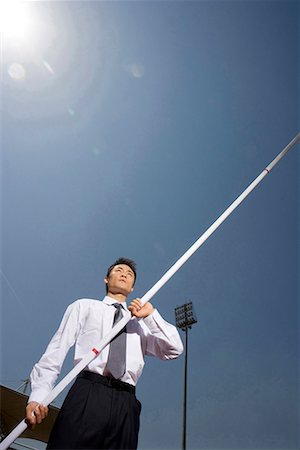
[{"x": 116, "y": 363}]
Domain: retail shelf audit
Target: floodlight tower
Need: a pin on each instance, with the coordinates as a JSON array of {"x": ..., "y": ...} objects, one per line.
[{"x": 185, "y": 318}]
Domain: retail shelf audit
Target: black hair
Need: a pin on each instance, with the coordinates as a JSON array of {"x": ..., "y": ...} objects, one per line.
[{"x": 129, "y": 262}]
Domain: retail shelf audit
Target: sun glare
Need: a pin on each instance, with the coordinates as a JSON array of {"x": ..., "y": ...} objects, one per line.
[{"x": 14, "y": 19}]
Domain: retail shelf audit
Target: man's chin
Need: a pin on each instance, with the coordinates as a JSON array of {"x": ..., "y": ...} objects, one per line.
[{"x": 120, "y": 290}]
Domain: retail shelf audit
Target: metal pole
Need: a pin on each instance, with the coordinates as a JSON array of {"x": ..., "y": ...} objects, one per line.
[
  {"x": 185, "y": 389},
  {"x": 217, "y": 223},
  {"x": 157, "y": 286}
]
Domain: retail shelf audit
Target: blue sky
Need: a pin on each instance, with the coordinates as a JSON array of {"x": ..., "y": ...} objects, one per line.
[{"x": 126, "y": 129}]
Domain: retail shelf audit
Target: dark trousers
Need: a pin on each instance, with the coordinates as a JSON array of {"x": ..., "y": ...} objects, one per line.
[{"x": 98, "y": 413}]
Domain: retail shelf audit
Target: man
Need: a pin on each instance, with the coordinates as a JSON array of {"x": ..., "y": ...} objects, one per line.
[{"x": 101, "y": 410}]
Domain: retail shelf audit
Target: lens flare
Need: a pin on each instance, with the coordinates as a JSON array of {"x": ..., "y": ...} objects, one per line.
[
  {"x": 17, "y": 72},
  {"x": 48, "y": 67}
]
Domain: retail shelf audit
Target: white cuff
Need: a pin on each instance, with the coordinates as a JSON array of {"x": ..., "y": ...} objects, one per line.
[{"x": 38, "y": 396}]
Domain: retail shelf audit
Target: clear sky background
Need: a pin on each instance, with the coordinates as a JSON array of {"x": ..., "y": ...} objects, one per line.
[{"x": 126, "y": 129}]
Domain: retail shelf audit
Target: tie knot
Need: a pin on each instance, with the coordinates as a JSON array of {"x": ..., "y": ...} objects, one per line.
[{"x": 118, "y": 306}]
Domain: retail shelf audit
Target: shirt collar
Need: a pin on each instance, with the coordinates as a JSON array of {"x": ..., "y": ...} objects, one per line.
[{"x": 110, "y": 301}]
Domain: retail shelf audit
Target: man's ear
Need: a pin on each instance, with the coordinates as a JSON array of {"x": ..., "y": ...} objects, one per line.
[
  {"x": 106, "y": 280},
  {"x": 132, "y": 289}
]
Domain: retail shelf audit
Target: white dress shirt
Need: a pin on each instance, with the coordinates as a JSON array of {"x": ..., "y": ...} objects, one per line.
[{"x": 85, "y": 323}]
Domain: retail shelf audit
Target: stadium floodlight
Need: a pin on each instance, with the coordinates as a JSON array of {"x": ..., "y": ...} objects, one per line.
[{"x": 185, "y": 317}]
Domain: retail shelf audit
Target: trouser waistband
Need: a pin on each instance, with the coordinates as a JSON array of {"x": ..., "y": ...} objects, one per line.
[{"x": 107, "y": 381}]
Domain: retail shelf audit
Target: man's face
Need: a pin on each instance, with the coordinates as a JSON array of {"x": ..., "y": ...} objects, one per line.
[{"x": 120, "y": 280}]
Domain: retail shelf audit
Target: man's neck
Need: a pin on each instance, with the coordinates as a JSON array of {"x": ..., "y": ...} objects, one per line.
[{"x": 121, "y": 298}]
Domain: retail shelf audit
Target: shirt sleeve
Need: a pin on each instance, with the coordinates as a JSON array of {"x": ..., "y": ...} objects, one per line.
[
  {"x": 160, "y": 338},
  {"x": 46, "y": 371}
]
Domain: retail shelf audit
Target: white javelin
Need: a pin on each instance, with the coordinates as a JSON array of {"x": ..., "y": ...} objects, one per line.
[{"x": 19, "y": 429}]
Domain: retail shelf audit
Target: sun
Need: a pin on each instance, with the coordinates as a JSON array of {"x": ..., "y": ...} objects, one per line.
[{"x": 14, "y": 19}]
